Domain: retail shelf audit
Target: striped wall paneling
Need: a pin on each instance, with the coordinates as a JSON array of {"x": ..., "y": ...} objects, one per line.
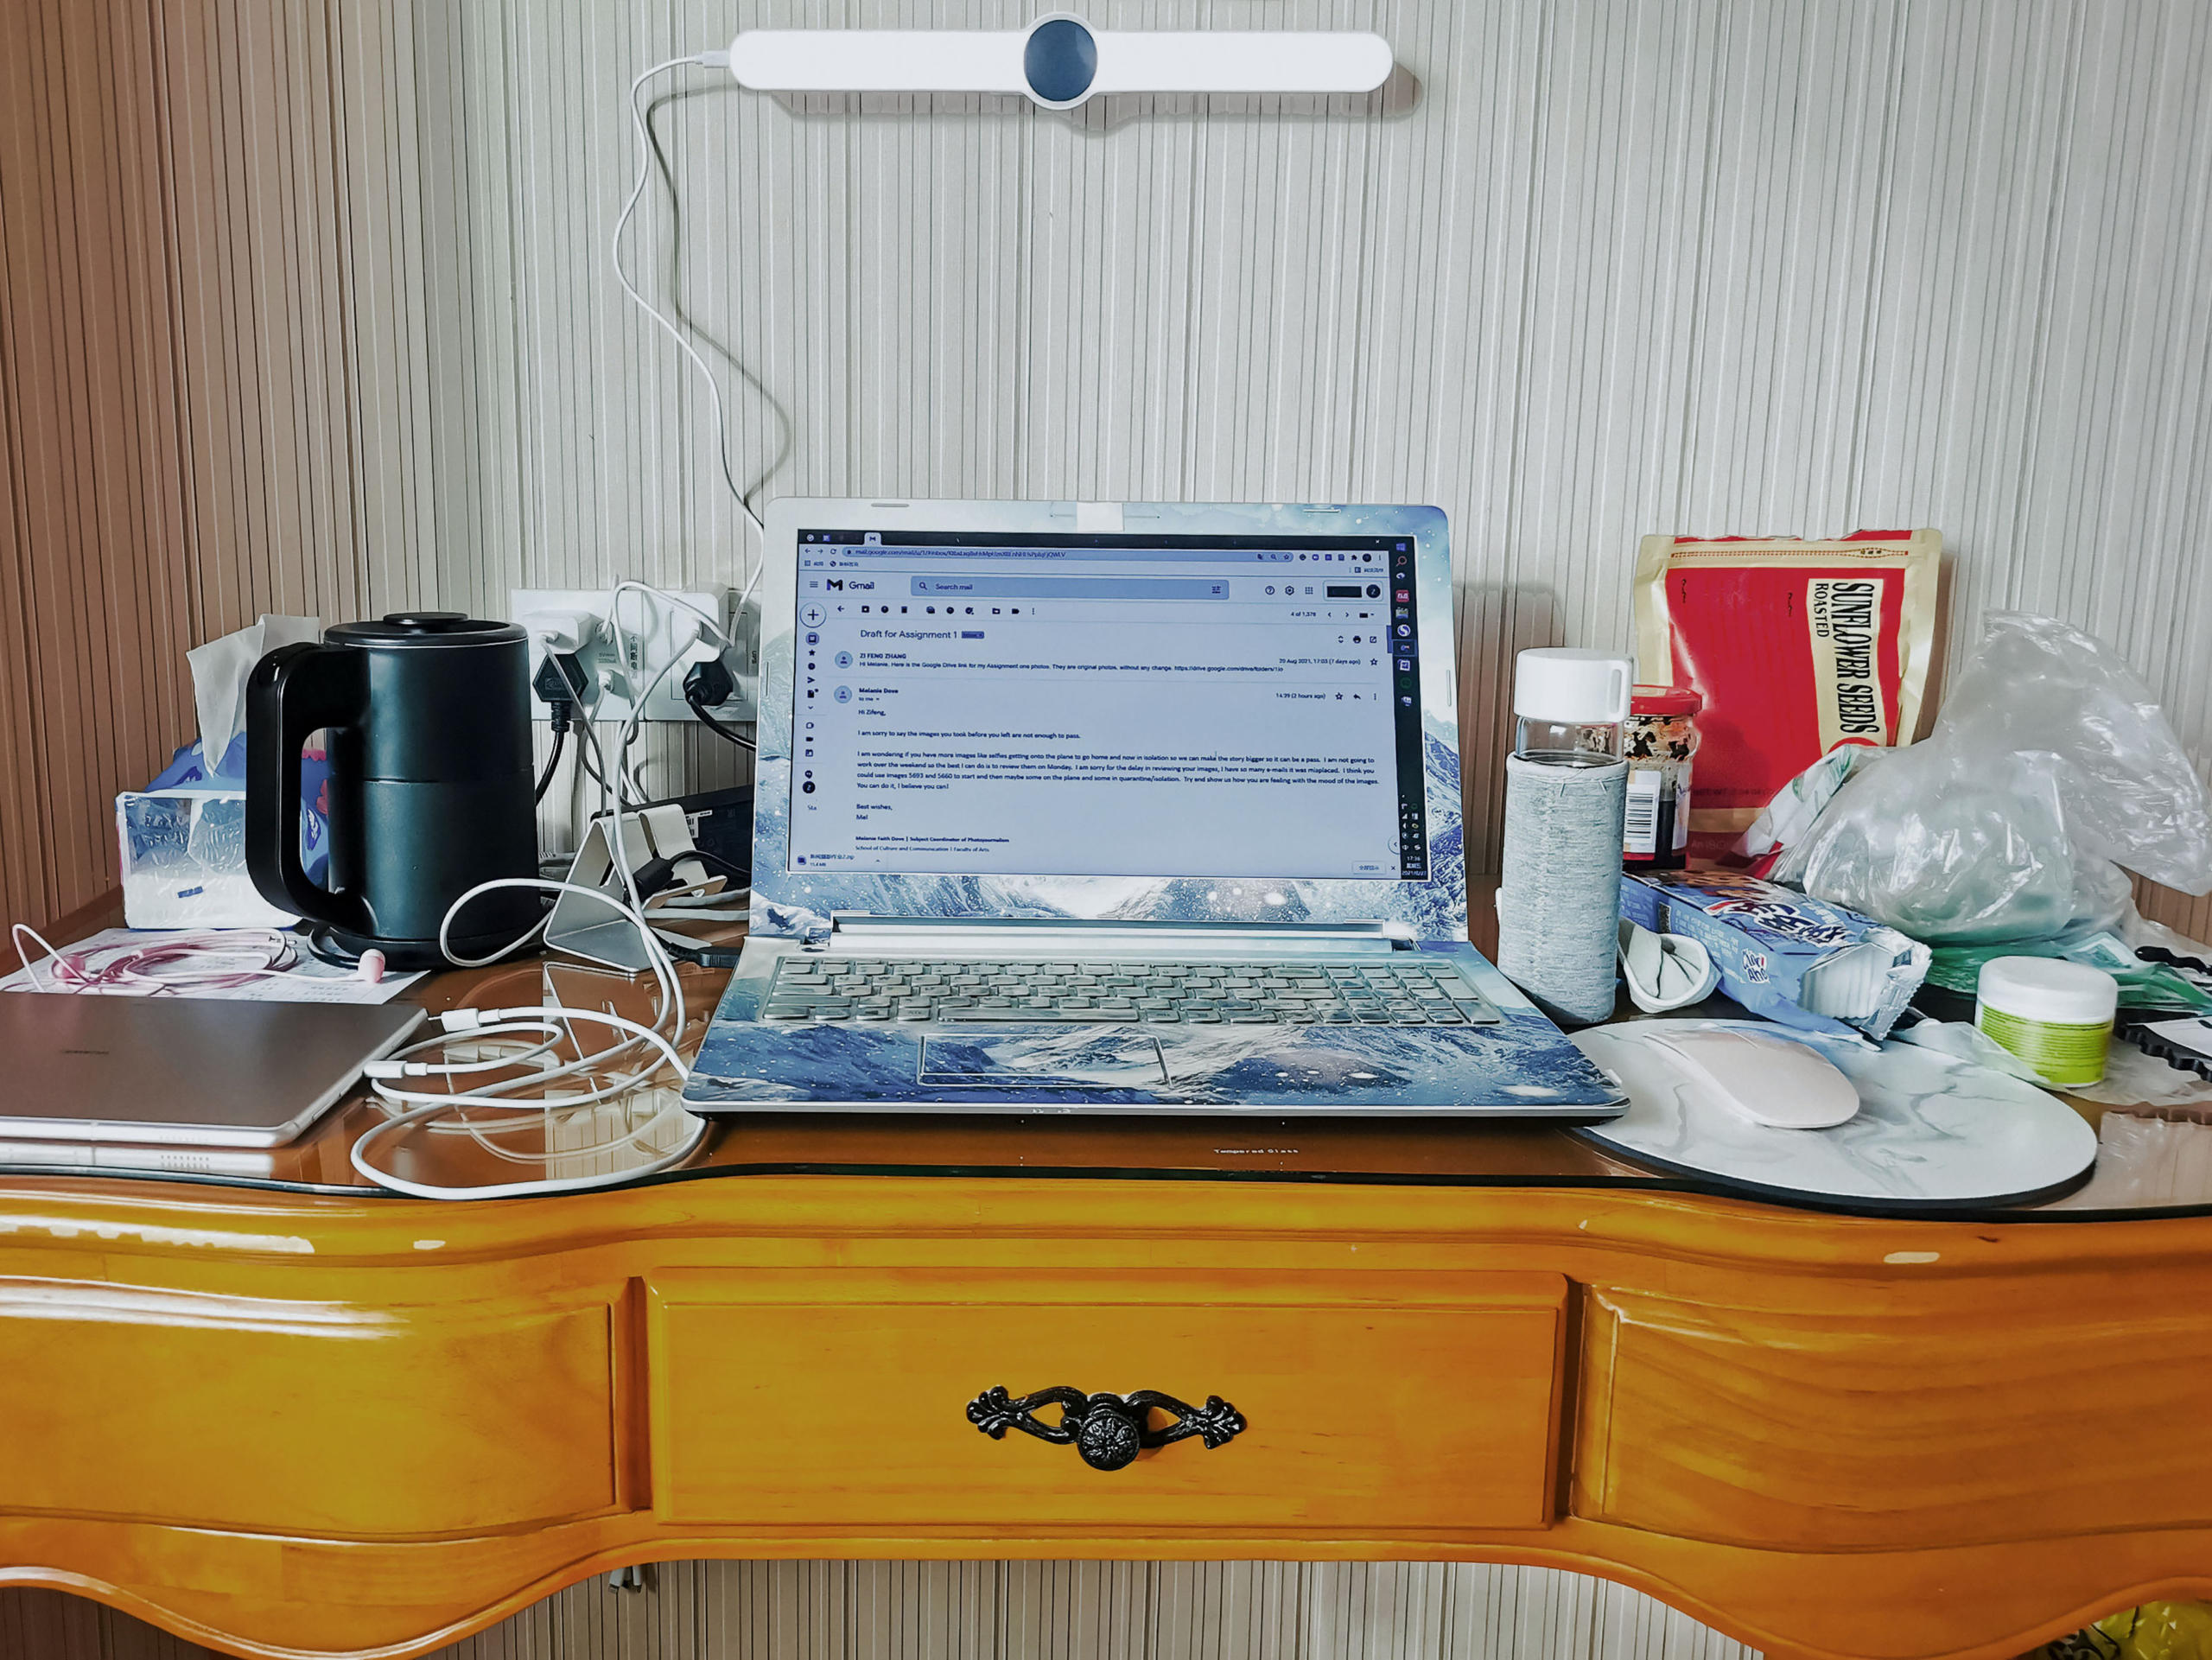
[{"x": 305, "y": 306}]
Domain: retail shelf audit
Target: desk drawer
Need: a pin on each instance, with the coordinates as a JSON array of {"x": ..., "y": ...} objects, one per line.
[
  {"x": 1941, "y": 1414},
  {"x": 328, "y": 1419},
  {"x": 1423, "y": 1400}
]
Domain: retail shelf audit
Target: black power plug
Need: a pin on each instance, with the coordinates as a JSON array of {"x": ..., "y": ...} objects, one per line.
[
  {"x": 559, "y": 683},
  {"x": 707, "y": 683}
]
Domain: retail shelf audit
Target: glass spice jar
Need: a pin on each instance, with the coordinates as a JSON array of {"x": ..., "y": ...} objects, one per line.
[{"x": 1658, "y": 741}]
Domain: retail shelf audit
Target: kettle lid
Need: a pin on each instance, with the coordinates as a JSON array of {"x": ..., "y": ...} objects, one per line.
[{"x": 420, "y": 630}]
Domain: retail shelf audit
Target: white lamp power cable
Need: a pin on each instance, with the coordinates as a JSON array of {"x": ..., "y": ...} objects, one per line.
[
  {"x": 620, "y": 789},
  {"x": 645, "y": 150}
]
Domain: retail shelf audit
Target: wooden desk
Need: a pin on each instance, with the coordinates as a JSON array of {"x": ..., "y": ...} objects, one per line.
[{"x": 282, "y": 1420}]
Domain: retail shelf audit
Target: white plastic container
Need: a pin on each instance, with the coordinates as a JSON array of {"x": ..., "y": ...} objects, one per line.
[
  {"x": 1568, "y": 705},
  {"x": 2054, "y": 1014}
]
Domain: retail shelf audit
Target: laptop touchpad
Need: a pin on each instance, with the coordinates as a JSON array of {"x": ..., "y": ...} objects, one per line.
[{"x": 1045, "y": 1058}]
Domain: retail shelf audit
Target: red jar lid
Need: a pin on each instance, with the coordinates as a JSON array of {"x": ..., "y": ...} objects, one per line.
[{"x": 1663, "y": 701}]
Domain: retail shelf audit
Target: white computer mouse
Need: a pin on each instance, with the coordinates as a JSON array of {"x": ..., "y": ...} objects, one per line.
[{"x": 1768, "y": 1080}]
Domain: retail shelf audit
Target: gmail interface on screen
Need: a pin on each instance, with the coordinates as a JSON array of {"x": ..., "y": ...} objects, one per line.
[{"x": 1107, "y": 705}]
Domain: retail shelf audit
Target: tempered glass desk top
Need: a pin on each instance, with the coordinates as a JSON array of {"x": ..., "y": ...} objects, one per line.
[{"x": 1443, "y": 1152}]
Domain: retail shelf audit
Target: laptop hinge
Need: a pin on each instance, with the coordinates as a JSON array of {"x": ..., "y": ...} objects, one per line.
[{"x": 864, "y": 931}]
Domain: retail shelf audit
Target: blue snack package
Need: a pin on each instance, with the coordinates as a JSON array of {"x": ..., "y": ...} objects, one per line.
[{"x": 1793, "y": 959}]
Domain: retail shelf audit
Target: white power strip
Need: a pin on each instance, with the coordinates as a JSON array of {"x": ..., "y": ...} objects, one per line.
[{"x": 652, "y": 631}]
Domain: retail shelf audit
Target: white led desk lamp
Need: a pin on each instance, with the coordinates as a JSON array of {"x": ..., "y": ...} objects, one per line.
[{"x": 1059, "y": 61}]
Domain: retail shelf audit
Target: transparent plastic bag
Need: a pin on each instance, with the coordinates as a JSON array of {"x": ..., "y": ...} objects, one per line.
[{"x": 2051, "y": 766}]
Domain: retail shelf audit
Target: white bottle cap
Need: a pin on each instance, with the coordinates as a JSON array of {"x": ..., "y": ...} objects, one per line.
[
  {"x": 1571, "y": 686},
  {"x": 2049, "y": 988}
]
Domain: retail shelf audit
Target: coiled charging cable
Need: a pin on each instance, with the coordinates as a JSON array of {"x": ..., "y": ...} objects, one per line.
[{"x": 542, "y": 1027}]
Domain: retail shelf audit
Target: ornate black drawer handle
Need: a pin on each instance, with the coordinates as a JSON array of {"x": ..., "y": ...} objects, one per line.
[{"x": 1107, "y": 1430}]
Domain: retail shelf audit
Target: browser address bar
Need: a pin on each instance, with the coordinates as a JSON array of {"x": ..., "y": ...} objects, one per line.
[{"x": 1069, "y": 588}]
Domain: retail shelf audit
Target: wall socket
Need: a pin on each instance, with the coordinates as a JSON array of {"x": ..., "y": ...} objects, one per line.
[{"x": 653, "y": 630}]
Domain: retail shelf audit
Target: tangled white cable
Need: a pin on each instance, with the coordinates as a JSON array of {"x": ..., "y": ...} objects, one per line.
[{"x": 546, "y": 1024}]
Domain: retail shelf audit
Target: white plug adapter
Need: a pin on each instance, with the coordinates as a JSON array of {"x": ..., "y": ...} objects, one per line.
[
  {"x": 564, "y": 629},
  {"x": 656, "y": 630}
]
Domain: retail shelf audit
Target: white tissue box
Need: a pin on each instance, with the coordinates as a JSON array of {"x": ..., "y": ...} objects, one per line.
[{"x": 184, "y": 861}]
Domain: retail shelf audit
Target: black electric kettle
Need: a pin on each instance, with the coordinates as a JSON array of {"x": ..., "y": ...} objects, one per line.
[{"x": 431, "y": 784}]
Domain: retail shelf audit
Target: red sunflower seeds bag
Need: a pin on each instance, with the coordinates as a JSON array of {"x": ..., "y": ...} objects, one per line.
[{"x": 1795, "y": 647}]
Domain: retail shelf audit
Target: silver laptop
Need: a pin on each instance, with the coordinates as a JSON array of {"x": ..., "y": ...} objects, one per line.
[
  {"x": 1105, "y": 807},
  {"x": 185, "y": 1071}
]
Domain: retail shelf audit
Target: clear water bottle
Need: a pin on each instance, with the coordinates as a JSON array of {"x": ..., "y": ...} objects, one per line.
[{"x": 1566, "y": 789}]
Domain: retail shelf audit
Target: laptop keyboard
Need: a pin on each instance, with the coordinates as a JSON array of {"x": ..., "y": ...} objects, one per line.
[{"x": 964, "y": 991}]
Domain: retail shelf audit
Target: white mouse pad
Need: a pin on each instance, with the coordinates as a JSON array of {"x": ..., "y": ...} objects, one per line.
[{"x": 1931, "y": 1130}]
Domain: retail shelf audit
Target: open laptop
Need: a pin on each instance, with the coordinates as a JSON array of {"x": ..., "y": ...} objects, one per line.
[{"x": 1133, "y": 808}]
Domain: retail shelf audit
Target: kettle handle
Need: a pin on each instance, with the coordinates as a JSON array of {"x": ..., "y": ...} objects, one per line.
[{"x": 293, "y": 692}]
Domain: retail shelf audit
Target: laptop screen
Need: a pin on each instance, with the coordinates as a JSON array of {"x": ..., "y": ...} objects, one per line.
[{"x": 1091, "y": 704}]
